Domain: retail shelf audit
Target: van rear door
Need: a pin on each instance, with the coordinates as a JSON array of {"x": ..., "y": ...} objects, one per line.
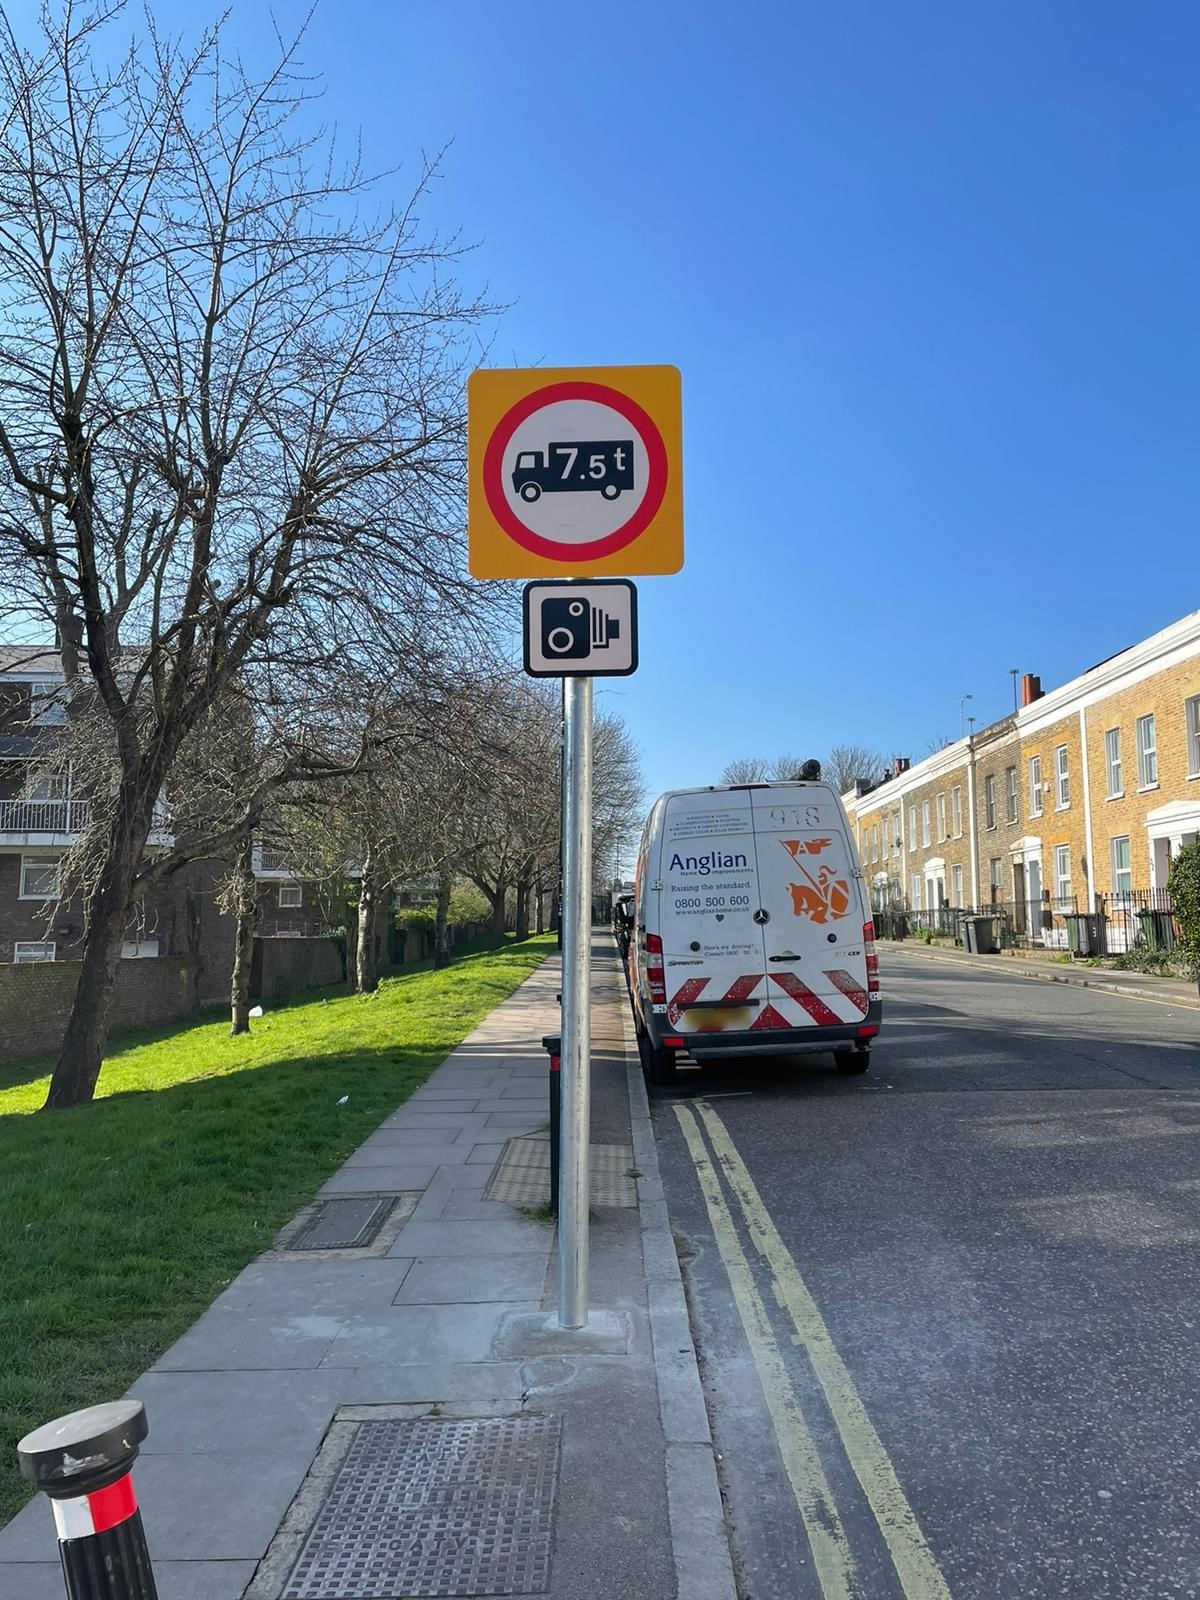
[
  {"x": 713, "y": 953},
  {"x": 810, "y": 888}
]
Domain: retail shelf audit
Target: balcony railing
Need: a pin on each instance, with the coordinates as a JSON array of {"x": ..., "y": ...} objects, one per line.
[{"x": 42, "y": 816}]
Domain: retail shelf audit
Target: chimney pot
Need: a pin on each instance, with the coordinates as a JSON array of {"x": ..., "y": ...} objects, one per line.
[{"x": 1031, "y": 689}]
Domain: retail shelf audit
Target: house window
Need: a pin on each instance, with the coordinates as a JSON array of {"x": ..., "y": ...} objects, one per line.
[
  {"x": 1122, "y": 873},
  {"x": 1192, "y": 710},
  {"x": 956, "y": 885},
  {"x": 887, "y": 836},
  {"x": 1062, "y": 877},
  {"x": 1010, "y": 793},
  {"x": 941, "y": 817},
  {"x": 996, "y": 879},
  {"x": 51, "y": 787},
  {"x": 956, "y": 810},
  {"x": 989, "y": 799},
  {"x": 27, "y": 950},
  {"x": 1062, "y": 779},
  {"x": 875, "y": 841},
  {"x": 914, "y": 903},
  {"x": 46, "y": 705},
  {"x": 1112, "y": 763},
  {"x": 897, "y": 841},
  {"x": 925, "y": 823},
  {"x": 39, "y": 878},
  {"x": 139, "y": 949},
  {"x": 1147, "y": 748},
  {"x": 1035, "y": 786},
  {"x": 291, "y": 895},
  {"x": 912, "y": 827}
]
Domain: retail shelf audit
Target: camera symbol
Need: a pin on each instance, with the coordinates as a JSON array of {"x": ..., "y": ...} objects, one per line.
[{"x": 572, "y": 629}]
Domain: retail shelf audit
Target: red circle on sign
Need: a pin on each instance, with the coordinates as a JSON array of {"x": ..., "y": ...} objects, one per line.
[{"x": 591, "y": 549}]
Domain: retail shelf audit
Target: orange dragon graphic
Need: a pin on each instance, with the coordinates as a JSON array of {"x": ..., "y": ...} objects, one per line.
[{"x": 824, "y": 897}]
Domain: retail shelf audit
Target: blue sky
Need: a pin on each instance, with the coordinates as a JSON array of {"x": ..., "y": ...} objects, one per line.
[{"x": 929, "y": 271}]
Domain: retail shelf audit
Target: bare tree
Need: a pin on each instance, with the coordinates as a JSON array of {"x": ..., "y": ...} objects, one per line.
[
  {"x": 231, "y": 422},
  {"x": 758, "y": 769},
  {"x": 940, "y": 741},
  {"x": 846, "y": 763}
]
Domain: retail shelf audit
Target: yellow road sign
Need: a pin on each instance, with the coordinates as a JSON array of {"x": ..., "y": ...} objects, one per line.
[{"x": 575, "y": 472}]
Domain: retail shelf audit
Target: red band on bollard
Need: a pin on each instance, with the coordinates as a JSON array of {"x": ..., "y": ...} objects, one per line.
[
  {"x": 555, "y": 1063},
  {"x": 81, "y": 1517}
]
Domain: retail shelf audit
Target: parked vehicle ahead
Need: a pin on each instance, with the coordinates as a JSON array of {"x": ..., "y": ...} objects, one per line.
[
  {"x": 622, "y": 923},
  {"x": 753, "y": 933}
]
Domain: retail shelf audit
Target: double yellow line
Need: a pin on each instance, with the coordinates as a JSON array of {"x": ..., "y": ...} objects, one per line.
[{"x": 833, "y": 1557}]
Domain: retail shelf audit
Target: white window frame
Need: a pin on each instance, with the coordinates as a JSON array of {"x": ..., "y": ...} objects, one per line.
[
  {"x": 956, "y": 810},
  {"x": 41, "y": 860},
  {"x": 956, "y": 884},
  {"x": 1062, "y": 778},
  {"x": 1122, "y": 889},
  {"x": 1191, "y": 714},
  {"x": 139, "y": 949},
  {"x": 915, "y": 888},
  {"x": 1012, "y": 799},
  {"x": 912, "y": 827},
  {"x": 1113, "y": 770},
  {"x": 989, "y": 799},
  {"x": 53, "y": 711},
  {"x": 996, "y": 879},
  {"x": 291, "y": 889},
  {"x": 941, "y": 818},
  {"x": 925, "y": 824},
  {"x": 1035, "y": 786},
  {"x": 22, "y": 947},
  {"x": 1147, "y": 753},
  {"x": 887, "y": 837},
  {"x": 1062, "y": 875}
]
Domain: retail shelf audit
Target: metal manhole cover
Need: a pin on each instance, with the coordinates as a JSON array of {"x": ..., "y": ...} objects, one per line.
[
  {"x": 521, "y": 1177},
  {"x": 435, "y": 1507},
  {"x": 344, "y": 1224}
]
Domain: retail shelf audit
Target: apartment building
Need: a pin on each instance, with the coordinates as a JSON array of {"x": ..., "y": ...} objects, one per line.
[
  {"x": 41, "y": 817},
  {"x": 1083, "y": 795}
]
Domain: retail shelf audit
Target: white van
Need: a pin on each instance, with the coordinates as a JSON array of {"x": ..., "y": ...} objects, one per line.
[{"x": 753, "y": 933}]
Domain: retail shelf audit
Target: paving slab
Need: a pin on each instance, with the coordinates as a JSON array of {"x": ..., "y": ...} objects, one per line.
[
  {"x": 468, "y": 1278},
  {"x": 398, "y": 1177},
  {"x": 211, "y": 1412},
  {"x": 407, "y": 1333},
  {"x": 175, "y": 1580},
  {"x": 231, "y": 1337},
  {"x": 431, "y": 1382},
  {"x": 301, "y": 1285},
  {"x": 488, "y": 1151},
  {"x": 504, "y": 1237}
]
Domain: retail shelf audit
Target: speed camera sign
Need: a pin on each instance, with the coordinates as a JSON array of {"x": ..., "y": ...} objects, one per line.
[{"x": 575, "y": 472}]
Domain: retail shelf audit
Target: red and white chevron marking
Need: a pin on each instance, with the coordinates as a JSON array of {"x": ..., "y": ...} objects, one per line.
[{"x": 787, "y": 1002}]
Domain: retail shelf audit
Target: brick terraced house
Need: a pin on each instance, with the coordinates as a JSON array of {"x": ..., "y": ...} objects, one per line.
[{"x": 1076, "y": 802}]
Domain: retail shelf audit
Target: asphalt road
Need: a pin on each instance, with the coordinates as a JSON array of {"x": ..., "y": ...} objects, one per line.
[{"x": 947, "y": 1313}]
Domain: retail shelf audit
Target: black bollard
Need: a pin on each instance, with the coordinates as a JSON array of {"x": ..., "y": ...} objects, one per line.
[
  {"x": 83, "y": 1463},
  {"x": 552, "y": 1044}
]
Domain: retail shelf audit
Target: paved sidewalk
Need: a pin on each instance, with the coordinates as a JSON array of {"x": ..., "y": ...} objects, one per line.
[
  {"x": 309, "y": 1356},
  {"x": 1140, "y": 985}
]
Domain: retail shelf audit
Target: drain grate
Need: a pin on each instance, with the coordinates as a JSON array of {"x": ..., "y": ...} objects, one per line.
[
  {"x": 432, "y": 1507},
  {"x": 521, "y": 1177},
  {"x": 344, "y": 1224}
]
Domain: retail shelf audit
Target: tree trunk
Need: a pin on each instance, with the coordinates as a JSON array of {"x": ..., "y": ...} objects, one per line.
[
  {"x": 521, "y": 920},
  {"x": 350, "y": 925},
  {"x": 243, "y": 949},
  {"x": 368, "y": 920},
  {"x": 499, "y": 902},
  {"x": 75, "y": 1074},
  {"x": 539, "y": 916},
  {"x": 441, "y": 925}
]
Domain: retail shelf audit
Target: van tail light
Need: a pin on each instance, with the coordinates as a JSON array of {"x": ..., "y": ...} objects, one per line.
[
  {"x": 872, "y": 961},
  {"x": 656, "y": 977}
]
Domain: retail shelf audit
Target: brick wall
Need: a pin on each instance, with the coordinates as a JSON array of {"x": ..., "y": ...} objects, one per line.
[
  {"x": 35, "y": 999},
  {"x": 284, "y": 967}
]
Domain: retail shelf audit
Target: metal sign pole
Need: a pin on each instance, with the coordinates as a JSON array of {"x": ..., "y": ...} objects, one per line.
[{"x": 574, "y": 1187}]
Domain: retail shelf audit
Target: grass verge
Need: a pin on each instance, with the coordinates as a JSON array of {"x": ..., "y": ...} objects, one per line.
[{"x": 120, "y": 1221}]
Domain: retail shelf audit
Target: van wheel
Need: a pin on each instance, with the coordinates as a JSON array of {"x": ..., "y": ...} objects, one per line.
[
  {"x": 660, "y": 1066},
  {"x": 849, "y": 1062},
  {"x": 530, "y": 492}
]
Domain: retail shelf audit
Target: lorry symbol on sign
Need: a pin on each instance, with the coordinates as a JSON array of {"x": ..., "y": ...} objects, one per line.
[{"x": 603, "y": 464}]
